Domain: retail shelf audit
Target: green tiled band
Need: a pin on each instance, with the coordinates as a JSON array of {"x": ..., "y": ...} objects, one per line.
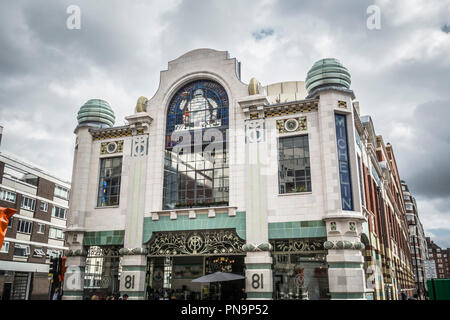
[
  {"x": 255, "y": 295},
  {"x": 103, "y": 238},
  {"x": 133, "y": 268},
  {"x": 201, "y": 222},
  {"x": 133, "y": 293},
  {"x": 73, "y": 293},
  {"x": 347, "y": 295},
  {"x": 345, "y": 265},
  {"x": 258, "y": 266},
  {"x": 297, "y": 229}
]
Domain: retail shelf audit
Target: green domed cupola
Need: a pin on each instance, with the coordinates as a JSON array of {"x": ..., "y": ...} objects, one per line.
[
  {"x": 97, "y": 113},
  {"x": 327, "y": 73}
]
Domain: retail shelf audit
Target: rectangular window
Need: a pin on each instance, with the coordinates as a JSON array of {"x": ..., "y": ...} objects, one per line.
[
  {"x": 109, "y": 182},
  {"x": 10, "y": 222},
  {"x": 41, "y": 228},
  {"x": 24, "y": 226},
  {"x": 8, "y": 196},
  {"x": 51, "y": 253},
  {"x": 294, "y": 171},
  {"x": 38, "y": 252},
  {"x": 58, "y": 212},
  {"x": 61, "y": 192},
  {"x": 5, "y": 247},
  {"x": 28, "y": 204},
  {"x": 43, "y": 206},
  {"x": 57, "y": 234},
  {"x": 21, "y": 250}
]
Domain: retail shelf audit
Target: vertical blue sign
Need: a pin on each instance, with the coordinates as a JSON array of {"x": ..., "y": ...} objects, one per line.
[{"x": 344, "y": 163}]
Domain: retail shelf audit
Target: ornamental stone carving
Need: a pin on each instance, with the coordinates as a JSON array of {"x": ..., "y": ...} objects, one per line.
[
  {"x": 249, "y": 247},
  {"x": 135, "y": 251}
]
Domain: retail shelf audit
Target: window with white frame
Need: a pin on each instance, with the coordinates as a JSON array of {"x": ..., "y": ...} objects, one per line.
[
  {"x": 41, "y": 228},
  {"x": 10, "y": 222},
  {"x": 56, "y": 234},
  {"x": 28, "y": 203},
  {"x": 8, "y": 196},
  {"x": 58, "y": 212},
  {"x": 24, "y": 226},
  {"x": 38, "y": 252},
  {"x": 61, "y": 192},
  {"x": 5, "y": 247},
  {"x": 52, "y": 253},
  {"x": 43, "y": 206},
  {"x": 21, "y": 250}
]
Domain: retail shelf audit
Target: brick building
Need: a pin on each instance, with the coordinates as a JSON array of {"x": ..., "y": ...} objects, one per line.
[
  {"x": 35, "y": 233},
  {"x": 418, "y": 243},
  {"x": 441, "y": 258}
]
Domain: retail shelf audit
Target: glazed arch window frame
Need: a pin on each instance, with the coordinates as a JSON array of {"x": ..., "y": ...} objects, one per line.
[{"x": 199, "y": 178}]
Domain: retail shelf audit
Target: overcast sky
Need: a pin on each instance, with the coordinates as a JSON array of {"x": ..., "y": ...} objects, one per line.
[{"x": 400, "y": 73}]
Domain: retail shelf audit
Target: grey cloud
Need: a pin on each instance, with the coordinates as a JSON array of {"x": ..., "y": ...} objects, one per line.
[{"x": 127, "y": 44}]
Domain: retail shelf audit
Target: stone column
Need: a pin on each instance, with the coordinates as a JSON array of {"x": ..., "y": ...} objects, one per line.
[
  {"x": 345, "y": 260},
  {"x": 343, "y": 210},
  {"x": 259, "y": 282},
  {"x": 76, "y": 256},
  {"x": 134, "y": 257},
  {"x": 75, "y": 267},
  {"x": 132, "y": 279}
]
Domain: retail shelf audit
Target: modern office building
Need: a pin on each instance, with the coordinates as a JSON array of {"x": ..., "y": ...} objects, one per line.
[
  {"x": 282, "y": 183},
  {"x": 35, "y": 233}
]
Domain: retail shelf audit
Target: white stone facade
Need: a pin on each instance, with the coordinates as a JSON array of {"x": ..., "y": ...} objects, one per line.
[{"x": 253, "y": 178}]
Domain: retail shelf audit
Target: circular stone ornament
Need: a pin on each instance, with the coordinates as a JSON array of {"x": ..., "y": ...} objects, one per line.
[
  {"x": 291, "y": 125},
  {"x": 111, "y": 147}
]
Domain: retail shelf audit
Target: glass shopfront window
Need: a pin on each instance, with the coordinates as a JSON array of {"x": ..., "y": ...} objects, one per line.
[
  {"x": 102, "y": 271},
  {"x": 300, "y": 276}
]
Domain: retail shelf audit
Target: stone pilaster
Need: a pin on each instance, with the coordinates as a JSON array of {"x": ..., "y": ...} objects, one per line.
[
  {"x": 132, "y": 278},
  {"x": 259, "y": 283},
  {"x": 345, "y": 260},
  {"x": 75, "y": 267}
]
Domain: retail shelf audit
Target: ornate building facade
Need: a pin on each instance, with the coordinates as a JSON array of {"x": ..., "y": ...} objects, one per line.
[{"x": 213, "y": 174}]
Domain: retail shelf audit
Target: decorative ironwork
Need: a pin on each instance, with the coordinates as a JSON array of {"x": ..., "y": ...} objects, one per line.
[
  {"x": 298, "y": 245},
  {"x": 216, "y": 242},
  {"x": 103, "y": 251}
]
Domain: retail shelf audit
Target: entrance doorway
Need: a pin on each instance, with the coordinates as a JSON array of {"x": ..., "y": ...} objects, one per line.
[{"x": 171, "y": 277}]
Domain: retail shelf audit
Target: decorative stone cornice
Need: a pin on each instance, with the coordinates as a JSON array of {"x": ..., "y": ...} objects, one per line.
[
  {"x": 258, "y": 107},
  {"x": 343, "y": 245},
  {"x": 133, "y": 252},
  {"x": 110, "y": 133},
  {"x": 250, "y": 247}
]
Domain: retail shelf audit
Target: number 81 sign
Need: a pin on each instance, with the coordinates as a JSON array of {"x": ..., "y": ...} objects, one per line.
[{"x": 258, "y": 280}]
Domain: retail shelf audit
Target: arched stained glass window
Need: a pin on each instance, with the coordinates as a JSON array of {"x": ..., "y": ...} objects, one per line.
[{"x": 196, "y": 159}]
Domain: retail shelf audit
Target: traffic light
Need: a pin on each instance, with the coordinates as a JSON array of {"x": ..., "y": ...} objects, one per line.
[
  {"x": 54, "y": 268},
  {"x": 62, "y": 269}
]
